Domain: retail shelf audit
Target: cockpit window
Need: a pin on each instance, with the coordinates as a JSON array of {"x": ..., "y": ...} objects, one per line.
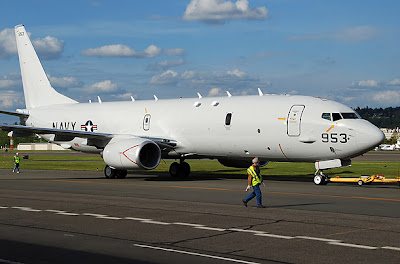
[
  {"x": 350, "y": 116},
  {"x": 336, "y": 116},
  {"x": 326, "y": 116}
]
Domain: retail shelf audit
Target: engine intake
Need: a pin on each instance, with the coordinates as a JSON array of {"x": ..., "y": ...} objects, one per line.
[{"x": 132, "y": 153}]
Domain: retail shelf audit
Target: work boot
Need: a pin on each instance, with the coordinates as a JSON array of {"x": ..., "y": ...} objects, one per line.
[{"x": 244, "y": 203}]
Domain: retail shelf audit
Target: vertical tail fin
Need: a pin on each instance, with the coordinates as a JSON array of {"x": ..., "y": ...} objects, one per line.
[{"x": 37, "y": 88}]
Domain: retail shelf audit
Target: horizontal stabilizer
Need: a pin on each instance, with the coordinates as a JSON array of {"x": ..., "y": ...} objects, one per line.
[{"x": 13, "y": 113}]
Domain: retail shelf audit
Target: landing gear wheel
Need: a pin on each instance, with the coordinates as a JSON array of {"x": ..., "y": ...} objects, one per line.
[
  {"x": 174, "y": 169},
  {"x": 360, "y": 183},
  {"x": 121, "y": 174},
  {"x": 185, "y": 169},
  {"x": 181, "y": 170},
  {"x": 109, "y": 172},
  {"x": 320, "y": 180}
]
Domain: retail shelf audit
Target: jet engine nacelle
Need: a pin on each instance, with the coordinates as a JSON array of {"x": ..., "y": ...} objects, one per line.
[
  {"x": 239, "y": 163},
  {"x": 132, "y": 153}
]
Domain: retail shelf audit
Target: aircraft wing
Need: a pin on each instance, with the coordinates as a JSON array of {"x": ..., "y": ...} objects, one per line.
[
  {"x": 12, "y": 113},
  {"x": 59, "y": 132},
  {"x": 162, "y": 142}
]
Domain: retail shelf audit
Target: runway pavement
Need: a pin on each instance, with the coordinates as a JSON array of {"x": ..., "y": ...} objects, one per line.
[{"x": 81, "y": 217}]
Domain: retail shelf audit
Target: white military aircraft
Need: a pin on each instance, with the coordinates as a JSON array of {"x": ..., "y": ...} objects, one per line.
[{"x": 233, "y": 129}]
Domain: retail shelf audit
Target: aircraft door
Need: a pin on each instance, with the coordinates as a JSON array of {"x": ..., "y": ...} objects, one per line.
[
  {"x": 146, "y": 122},
  {"x": 294, "y": 120}
]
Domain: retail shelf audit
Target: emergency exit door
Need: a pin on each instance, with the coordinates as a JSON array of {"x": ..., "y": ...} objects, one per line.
[{"x": 294, "y": 120}]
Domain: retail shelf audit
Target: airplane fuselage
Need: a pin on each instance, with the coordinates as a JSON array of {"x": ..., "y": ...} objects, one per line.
[{"x": 272, "y": 127}]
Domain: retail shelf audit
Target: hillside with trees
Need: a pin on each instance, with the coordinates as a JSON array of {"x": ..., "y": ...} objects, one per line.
[{"x": 381, "y": 117}]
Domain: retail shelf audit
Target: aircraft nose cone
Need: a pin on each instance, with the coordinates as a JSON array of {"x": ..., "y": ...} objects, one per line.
[{"x": 369, "y": 136}]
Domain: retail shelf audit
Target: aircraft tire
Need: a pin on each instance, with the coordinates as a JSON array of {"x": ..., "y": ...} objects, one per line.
[
  {"x": 109, "y": 172},
  {"x": 319, "y": 180},
  {"x": 121, "y": 174},
  {"x": 174, "y": 169},
  {"x": 184, "y": 170}
]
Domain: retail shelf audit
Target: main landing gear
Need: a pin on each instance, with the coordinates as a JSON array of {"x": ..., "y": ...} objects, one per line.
[
  {"x": 320, "y": 178},
  {"x": 179, "y": 170},
  {"x": 111, "y": 173}
]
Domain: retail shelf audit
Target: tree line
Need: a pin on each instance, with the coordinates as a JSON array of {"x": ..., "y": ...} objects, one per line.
[{"x": 381, "y": 117}]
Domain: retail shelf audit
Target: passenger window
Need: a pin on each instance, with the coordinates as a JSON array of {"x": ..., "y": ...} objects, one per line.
[
  {"x": 350, "y": 116},
  {"x": 327, "y": 116},
  {"x": 228, "y": 119},
  {"x": 336, "y": 116}
]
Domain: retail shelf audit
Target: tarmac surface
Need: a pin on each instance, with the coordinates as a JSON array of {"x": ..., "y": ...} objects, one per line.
[{"x": 81, "y": 217}]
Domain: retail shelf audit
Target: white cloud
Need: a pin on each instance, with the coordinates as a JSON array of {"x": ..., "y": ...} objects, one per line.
[
  {"x": 166, "y": 77},
  {"x": 7, "y": 83},
  {"x": 395, "y": 82},
  {"x": 215, "y": 92},
  {"x": 48, "y": 47},
  {"x": 8, "y": 46},
  {"x": 119, "y": 50},
  {"x": 64, "y": 82},
  {"x": 10, "y": 99},
  {"x": 237, "y": 73},
  {"x": 218, "y": 11},
  {"x": 368, "y": 83},
  {"x": 387, "y": 97},
  {"x": 106, "y": 86}
]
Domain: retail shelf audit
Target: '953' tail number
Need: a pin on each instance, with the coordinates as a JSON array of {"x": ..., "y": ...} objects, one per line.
[{"x": 334, "y": 138}]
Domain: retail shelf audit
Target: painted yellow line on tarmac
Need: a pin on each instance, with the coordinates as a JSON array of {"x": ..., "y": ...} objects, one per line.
[{"x": 234, "y": 190}]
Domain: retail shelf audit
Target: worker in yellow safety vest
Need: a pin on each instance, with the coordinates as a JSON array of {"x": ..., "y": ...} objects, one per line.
[
  {"x": 254, "y": 180},
  {"x": 16, "y": 163}
]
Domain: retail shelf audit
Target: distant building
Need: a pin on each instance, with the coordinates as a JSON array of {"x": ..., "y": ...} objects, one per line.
[
  {"x": 389, "y": 133},
  {"x": 39, "y": 146}
]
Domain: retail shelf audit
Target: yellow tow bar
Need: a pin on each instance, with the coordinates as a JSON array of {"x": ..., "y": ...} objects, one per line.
[{"x": 366, "y": 179}]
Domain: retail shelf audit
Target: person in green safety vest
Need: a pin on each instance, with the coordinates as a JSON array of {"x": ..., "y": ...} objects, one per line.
[
  {"x": 16, "y": 163},
  {"x": 254, "y": 180}
]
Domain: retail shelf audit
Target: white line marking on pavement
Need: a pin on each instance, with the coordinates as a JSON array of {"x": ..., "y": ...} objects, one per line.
[
  {"x": 187, "y": 224},
  {"x": 65, "y": 213},
  {"x": 391, "y": 248},
  {"x": 275, "y": 236},
  {"x": 28, "y": 209},
  {"x": 195, "y": 254},
  {"x": 95, "y": 215},
  {"x": 54, "y": 211},
  {"x": 351, "y": 245},
  {"x": 210, "y": 228},
  {"x": 247, "y": 231},
  {"x": 154, "y": 222},
  {"x": 3, "y": 207},
  {"x": 109, "y": 217},
  {"x": 318, "y": 239},
  {"x": 137, "y": 219}
]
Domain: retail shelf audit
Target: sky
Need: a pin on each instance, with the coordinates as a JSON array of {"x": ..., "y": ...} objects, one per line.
[{"x": 347, "y": 51}]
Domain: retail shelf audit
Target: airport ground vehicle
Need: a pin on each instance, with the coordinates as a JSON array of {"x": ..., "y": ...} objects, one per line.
[{"x": 366, "y": 179}]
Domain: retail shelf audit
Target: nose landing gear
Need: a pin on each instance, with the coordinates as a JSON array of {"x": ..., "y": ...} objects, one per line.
[{"x": 320, "y": 178}]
